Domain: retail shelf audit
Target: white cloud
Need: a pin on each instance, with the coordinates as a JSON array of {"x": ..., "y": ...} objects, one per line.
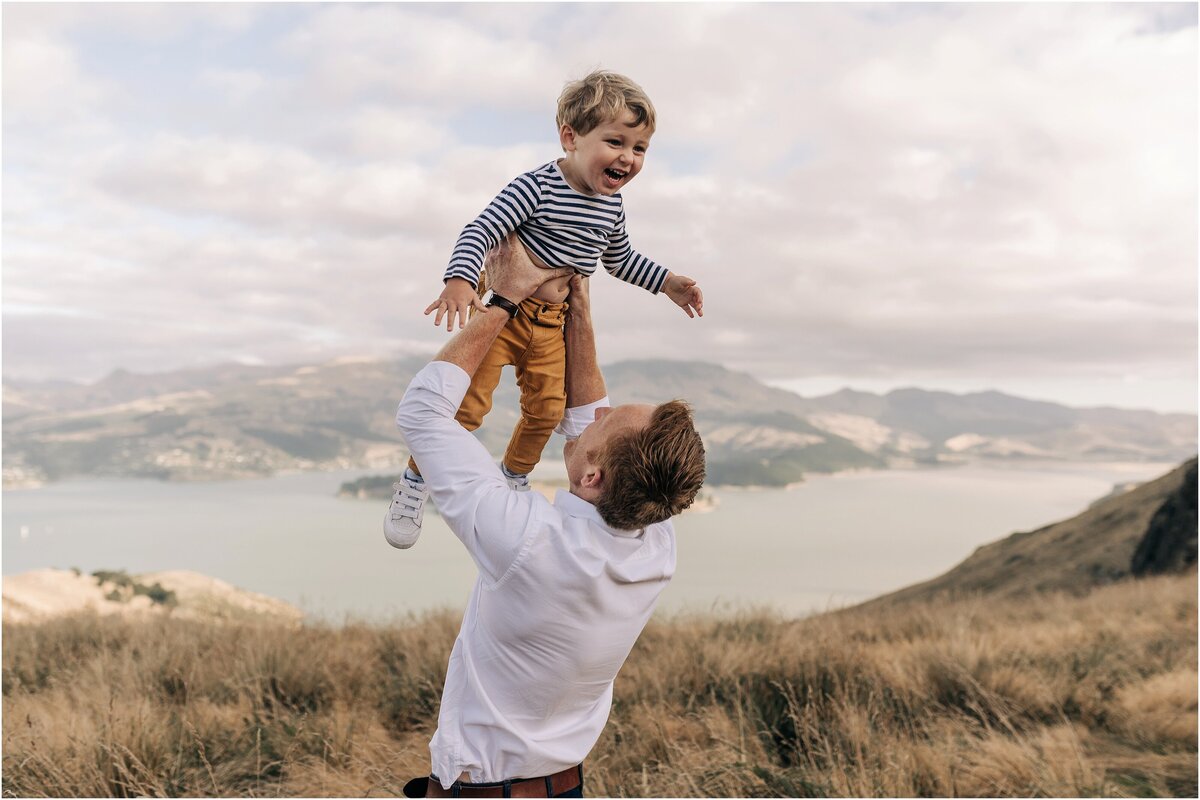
[
  {"x": 1003, "y": 191},
  {"x": 409, "y": 53},
  {"x": 238, "y": 85},
  {"x": 388, "y": 133},
  {"x": 43, "y": 84}
]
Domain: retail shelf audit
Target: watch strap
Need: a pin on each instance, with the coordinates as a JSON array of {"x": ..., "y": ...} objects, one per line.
[{"x": 503, "y": 302}]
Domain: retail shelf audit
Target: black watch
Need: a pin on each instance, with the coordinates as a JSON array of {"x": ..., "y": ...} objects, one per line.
[{"x": 493, "y": 299}]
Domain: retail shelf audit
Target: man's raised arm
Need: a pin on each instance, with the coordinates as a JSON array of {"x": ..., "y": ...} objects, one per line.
[
  {"x": 585, "y": 383},
  {"x": 468, "y": 487}
]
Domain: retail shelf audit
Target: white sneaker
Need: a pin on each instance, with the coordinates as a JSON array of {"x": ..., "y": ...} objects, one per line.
[
  {"x": 518, "y": 483},
  {"x": 402, "y": 523}
]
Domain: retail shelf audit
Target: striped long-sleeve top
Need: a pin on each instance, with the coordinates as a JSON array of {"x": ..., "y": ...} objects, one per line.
[{"x": 560, "y": 226}]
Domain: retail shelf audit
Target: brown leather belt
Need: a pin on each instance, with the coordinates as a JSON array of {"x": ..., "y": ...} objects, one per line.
[{"x": 546, "y": 786}]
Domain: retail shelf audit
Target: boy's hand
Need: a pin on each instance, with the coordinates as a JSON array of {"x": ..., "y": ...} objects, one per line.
[
  {"x": 684, "y": 293},
  {"x": 455, "y": 300}
]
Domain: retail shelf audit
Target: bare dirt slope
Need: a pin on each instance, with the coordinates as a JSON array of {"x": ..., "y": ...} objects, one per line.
[{"x": 45, "y": 594}]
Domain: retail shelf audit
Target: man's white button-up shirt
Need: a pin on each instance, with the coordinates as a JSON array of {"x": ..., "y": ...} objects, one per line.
[{"x": 560, "y": 600}]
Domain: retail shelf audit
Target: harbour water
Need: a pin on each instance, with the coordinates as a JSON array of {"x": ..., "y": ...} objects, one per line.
[{"x": 828, "y": 542}]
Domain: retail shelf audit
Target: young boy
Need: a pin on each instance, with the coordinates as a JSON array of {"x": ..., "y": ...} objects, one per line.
[{"x": 567, "y": 213}]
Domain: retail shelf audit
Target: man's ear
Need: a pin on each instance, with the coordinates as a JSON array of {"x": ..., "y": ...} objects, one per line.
[
  {"x": 566, "y": 137},
  {"x": 592, "y": 479}
]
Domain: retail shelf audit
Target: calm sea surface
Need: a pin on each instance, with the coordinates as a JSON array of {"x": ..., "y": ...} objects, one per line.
[{"x": 829, "y": 542}]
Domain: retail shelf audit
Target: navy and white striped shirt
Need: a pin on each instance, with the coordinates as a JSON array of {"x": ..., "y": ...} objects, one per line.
[{"x": 560, "y": 226}]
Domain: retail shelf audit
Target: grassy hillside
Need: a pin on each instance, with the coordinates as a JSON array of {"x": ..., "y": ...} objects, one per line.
[
  {"x": 1022, "y": 696},
  {"x": 1093, "y": 548}
]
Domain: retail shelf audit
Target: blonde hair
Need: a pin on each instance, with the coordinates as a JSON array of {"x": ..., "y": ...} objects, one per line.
[{"x": 602, "y": 96}]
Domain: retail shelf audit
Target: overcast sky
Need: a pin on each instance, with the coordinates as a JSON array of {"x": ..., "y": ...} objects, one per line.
[{"x": 958, "y": 196}]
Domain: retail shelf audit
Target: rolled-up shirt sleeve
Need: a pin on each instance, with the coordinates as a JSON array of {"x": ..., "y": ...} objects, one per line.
[
  {"x": 471, "y": 493},
  {"x": 576, "y": 419}
]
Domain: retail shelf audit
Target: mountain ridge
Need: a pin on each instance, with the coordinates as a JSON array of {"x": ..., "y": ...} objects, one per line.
[
  {"x": 121, "y": 375},
  {"x": 237, "y": 421}
]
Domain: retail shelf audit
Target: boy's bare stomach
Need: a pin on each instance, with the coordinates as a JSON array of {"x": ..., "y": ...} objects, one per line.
[{"x": 554, "y": 290}]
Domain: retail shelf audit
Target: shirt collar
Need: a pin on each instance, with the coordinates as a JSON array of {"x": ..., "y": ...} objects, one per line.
[{"x": 574, "y": 506}]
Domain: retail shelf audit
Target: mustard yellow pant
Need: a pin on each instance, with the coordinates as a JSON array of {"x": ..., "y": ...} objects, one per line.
[{"x": 532, "y": 342}]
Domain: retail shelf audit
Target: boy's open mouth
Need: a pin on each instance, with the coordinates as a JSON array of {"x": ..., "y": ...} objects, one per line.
[{"x": 615, "y": 174}]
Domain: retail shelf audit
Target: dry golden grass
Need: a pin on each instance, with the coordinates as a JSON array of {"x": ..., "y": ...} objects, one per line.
[{"x": 1041, "y": 696}]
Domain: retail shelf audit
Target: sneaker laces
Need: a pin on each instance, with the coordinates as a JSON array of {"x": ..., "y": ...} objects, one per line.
[
  {"x": 516, "y": 480},
  {"x": 406, "y": 502}
]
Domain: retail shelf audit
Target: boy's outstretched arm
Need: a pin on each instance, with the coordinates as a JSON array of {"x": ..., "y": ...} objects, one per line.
[
  {"x": 512, "y": 276},
  {"x": 625, "y": 263},
  {"x": 509, "y": 209},
  {"x": 685, "y": 293}
]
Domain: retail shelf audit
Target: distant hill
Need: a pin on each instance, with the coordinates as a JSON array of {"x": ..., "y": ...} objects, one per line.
[
  {"x": 237, "y": 421},
  {"x": 994, "y": 424},
  {"x": 45, "y": 594},
  {"x": 1095, "y": 548},
  {"x": 227, "y": 422}
]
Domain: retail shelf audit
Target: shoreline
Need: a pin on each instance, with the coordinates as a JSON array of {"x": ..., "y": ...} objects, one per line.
[{"x": 554, "y": 483}]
